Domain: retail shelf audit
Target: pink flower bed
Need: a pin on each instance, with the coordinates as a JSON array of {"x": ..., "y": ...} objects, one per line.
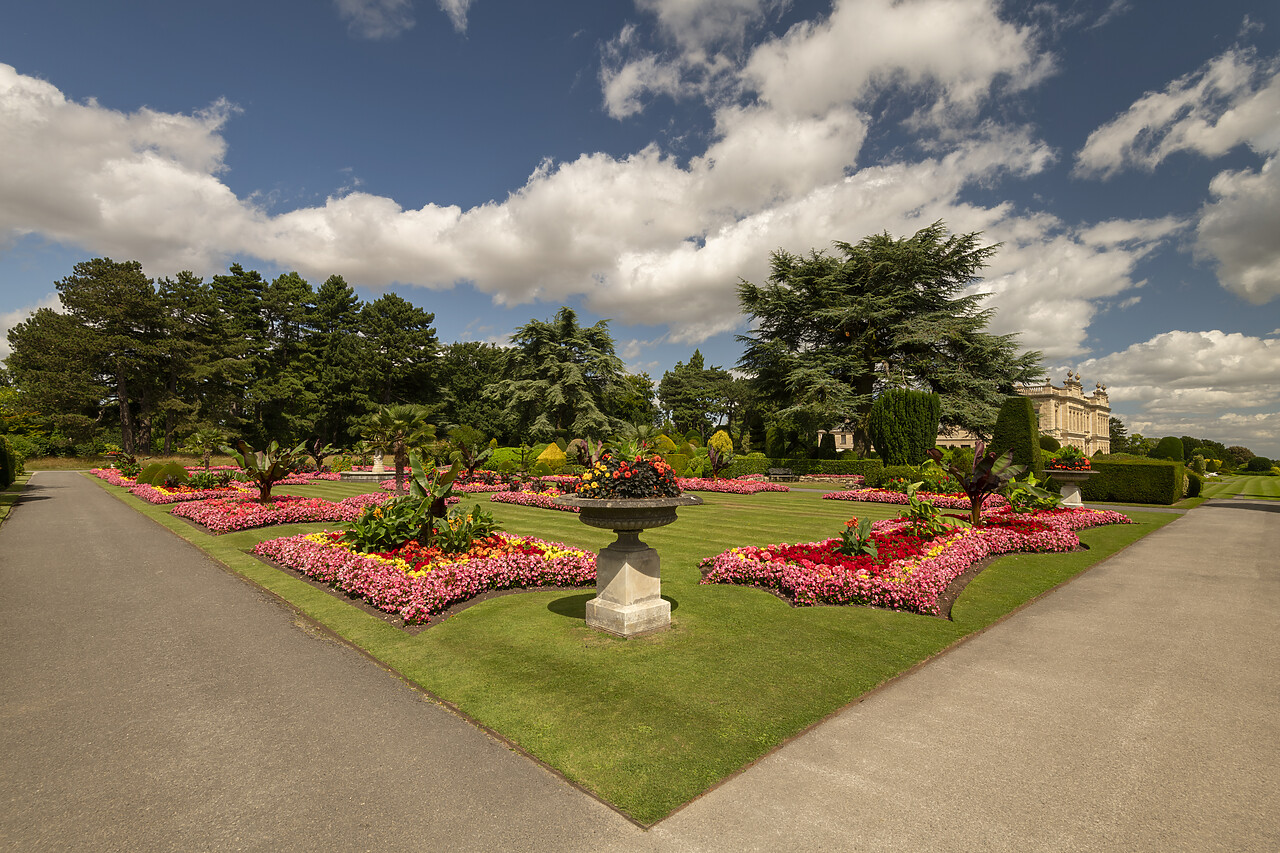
[
  {"x": 739, "y": 486},
  {"x": 415, "y": 595},
  {"x": 817, "y": 574},
  {"x": 182, "y": 494},
  {"x": 223, "y": 515},
  {"x": 542, "y": 500},
  {"x": 884, "y": 496},
  {"x": 112, "y": 476},
  {"x": 301, "y": 478},
  {"x": 476, "y": 487}
]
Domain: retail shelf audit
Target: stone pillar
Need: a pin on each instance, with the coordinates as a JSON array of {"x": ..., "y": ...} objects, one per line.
[{"x": 628, "y": 589}]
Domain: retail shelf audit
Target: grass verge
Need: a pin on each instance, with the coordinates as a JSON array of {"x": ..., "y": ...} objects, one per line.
[
  {"x": 9, "y": 497},
  {"x": 649, "y": 723}
]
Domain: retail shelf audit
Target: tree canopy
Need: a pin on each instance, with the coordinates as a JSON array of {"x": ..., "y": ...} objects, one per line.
[{"x": 833, "y": 331}]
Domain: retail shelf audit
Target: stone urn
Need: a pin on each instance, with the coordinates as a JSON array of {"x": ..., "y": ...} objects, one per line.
[
  {"x": 1070, "y": 479},
  {"x": 628, "y": 573},
  {"x": 377, "y": 464}
]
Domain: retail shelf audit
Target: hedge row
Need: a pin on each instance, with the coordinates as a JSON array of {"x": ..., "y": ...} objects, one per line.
[
  {"x": 9, "y": 464},
  {"x": 1146, "y": 481},
  {"x": 761, "y": 464}
]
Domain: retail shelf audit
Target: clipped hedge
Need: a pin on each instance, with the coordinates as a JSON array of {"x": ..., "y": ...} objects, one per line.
[
  {"x": 904, "y": 425},
  {"x": 1142, "y": 481},
  {"x": 1170, "y": 447},
  {"x": 753, "y": 464},
  {"x": 679, "y": 462}
]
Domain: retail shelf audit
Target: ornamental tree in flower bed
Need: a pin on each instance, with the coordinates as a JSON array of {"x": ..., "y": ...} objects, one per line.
[
  {"x": 733, "y": 487},
  {"x": 416, "y": 583},
  {"x": 223, "y": 515},
  {"x": 905, "y": 572}
]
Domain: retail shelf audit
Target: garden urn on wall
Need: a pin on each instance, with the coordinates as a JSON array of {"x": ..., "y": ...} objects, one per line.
[{"x": 628, "y": 572}]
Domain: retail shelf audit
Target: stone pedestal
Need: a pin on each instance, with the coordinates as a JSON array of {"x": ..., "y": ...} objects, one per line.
[
  {"x": 1070, "y": 481},
  {"x": 628, "y": 573}
]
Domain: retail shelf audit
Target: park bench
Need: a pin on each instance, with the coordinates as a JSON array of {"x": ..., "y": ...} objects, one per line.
[{"x": 781, "y": 474}]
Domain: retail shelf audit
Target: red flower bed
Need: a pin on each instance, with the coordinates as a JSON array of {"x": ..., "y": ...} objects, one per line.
[
  {"x": 908, "y": 573},
  {"x": 182, "y": 494},
  {"x": 416, "y": 583}
]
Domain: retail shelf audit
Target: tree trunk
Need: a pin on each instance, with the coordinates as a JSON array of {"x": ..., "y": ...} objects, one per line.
[{"x": 126, "y": 416}]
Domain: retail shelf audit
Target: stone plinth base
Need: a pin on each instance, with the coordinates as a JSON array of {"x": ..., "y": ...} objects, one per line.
[
  {"x": 628, "y": 587},
  {"x": 628, "y": 620},
  {"x": 364, "y": 476}
]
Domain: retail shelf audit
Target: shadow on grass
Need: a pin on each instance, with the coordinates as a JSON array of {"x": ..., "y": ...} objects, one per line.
[{"x": 575, "y": 606}]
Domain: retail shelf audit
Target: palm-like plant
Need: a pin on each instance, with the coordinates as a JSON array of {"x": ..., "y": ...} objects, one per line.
[
  {"x": 397, "y": 430},
  {"x": 205, "y": 441}
]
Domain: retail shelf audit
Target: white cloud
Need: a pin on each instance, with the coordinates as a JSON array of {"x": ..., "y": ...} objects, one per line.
[
  {"x": 1232, "y": 100},
  {"x": 1240, "y": 230},
  {"x": 1211, "y": 384},
  {"x": 457, "y": 12},
  {"x": 872, "y": 44},
  {"x": 12, "y": 318},
  {"x": 382, "y": 19}
]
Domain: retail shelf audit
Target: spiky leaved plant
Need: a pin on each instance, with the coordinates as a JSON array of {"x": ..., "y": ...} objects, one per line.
[
  {"x": 989, "y": 473},
  {"x": 266, "y": 467}
]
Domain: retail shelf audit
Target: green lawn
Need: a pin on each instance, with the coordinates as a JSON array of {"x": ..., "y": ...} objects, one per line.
[
  {"x": 1245, "y": 486},
  {"x": 651, "y": 722}
]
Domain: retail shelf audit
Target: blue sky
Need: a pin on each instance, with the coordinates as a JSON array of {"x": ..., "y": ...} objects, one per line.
[{"x": 491, "y": 161}]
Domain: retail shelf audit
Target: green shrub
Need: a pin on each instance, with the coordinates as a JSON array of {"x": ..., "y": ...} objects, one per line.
[
  {"x": 1170, "y": 447},
  {"x": 679, "y": 463},
  {"x": 1258, "y": 465},
  {"x": 665, "y": 445},
  {"x": 880, "y": 476},
  {"x": 1198, "y": 464},
  {"x": 1195, "y": 484},
  {"x": 693, "y": 437},
  {"x": 1018, "y": 429},
  {"x": 1049, "y": 443},
  {"x": 1135, "y": 480},
  {"x": 904, "y": 425}
]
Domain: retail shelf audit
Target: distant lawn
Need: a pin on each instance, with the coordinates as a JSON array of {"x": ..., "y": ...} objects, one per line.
[
  {"x": 1252, "y": 486},
  {"x": 649, "y": 723}
]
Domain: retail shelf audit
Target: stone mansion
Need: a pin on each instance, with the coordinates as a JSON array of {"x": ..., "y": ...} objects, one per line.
[{"x": 1066, "y": 413}]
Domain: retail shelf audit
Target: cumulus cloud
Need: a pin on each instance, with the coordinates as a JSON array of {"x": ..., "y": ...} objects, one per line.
[
  {"x": 10, "y": 319},
  {"x": 382, "y": 19},
  {"x": 1234, "y": 99},
  {"x": 1209, "y": 384}
]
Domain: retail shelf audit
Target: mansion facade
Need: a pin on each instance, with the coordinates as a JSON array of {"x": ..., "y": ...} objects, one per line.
[{"x": 1066, "y": 413}]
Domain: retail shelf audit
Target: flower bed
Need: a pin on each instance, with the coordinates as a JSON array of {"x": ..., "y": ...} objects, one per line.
[
  {"x": 112, "y": 476},
  {"x": 415, "y": 583},
  {"x": 182, "y": 494},
  {"x": 301, "y": 478},
  {"x": 542, "y": 500},
  {"x": 886, "y": 496},
  {"x": 732, "y": 487},
  {"x": 908, "y": 573},
  {"x": 223, "y": 515}
]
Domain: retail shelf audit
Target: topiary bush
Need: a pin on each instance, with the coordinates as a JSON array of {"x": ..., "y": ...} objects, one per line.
[
  {"x": 1170, "y": 447},
  {"x": 1018, "y": 429},
  {"x": 1195, "y": 484},
  {"x": 665, "y": 445},
  {"x": 679, "y": 463},
  {"x": 553, "y": 457},
  {"x": 904, "y": 425},
  {"x": 1049, "y": 443}
]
